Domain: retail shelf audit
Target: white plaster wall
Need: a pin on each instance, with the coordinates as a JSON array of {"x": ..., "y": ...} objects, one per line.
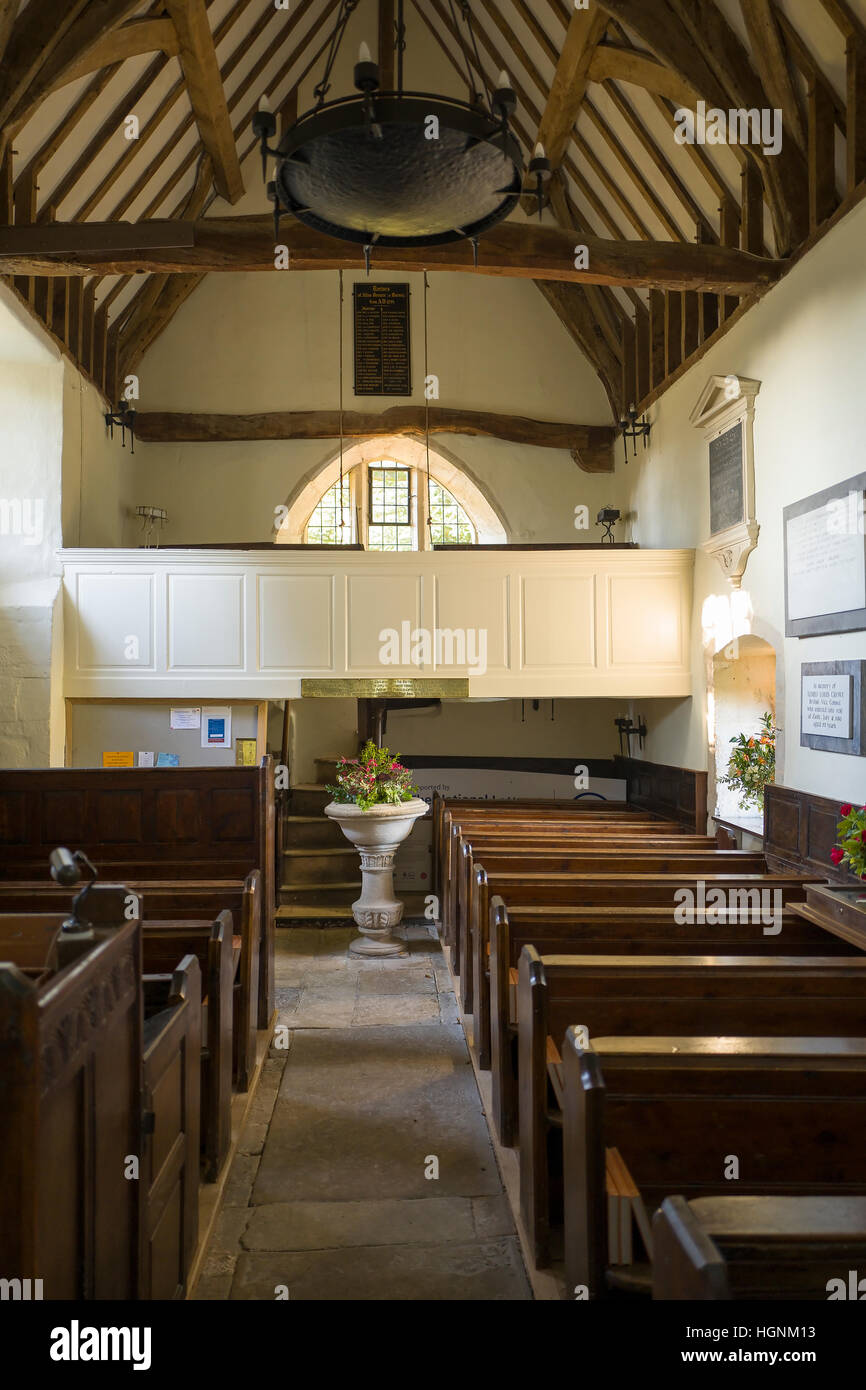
[
  {"x": 98, "y": 474},
  {"x": 806, "y": 343},
  {"x": 253, "y": 343},
  {"x": 31, "y": 431}
]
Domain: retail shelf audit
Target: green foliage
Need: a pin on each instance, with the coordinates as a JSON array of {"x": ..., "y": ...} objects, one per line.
[
  {"x": 851, "y": 830},
  {"x": 376, "y": 778},
  {"x": 752, "y": 764}
]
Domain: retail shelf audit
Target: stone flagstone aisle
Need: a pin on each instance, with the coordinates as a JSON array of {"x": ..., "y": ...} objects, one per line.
[{"x": 327, "y": 1195}]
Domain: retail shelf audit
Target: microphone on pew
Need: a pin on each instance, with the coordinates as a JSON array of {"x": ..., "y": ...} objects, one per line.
[{"x": 65, "y": 867}]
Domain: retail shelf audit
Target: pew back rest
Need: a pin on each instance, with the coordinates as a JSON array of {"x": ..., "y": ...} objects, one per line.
[
  {"x": 771, "y": 996},
  {"x": 756, "y": 1247}
]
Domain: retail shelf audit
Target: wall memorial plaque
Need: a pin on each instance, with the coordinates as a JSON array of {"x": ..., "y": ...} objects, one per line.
[
  {"x": 726, "y": 480},
  {"x": 833, "y": 706},
  {"x": 382, "y": 356},
  {"x": 725, "y": 411},
  {"x": 825, "y": 561}
]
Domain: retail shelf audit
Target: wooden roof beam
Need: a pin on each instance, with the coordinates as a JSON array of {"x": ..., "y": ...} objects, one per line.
[
  {"x": 34, "y": 36},
  {"x": 71, "y": 57},
  {"x": 570, "y": 80},
  {"x": 612, "y": 61},
  {"x": 201, "y": 71},
  {"x": 694, "y": 39},
  {"x": 130, "y": 40},
  {"x": 8, "y": 15},
  {"x": 771, "y": 60},
  {"x": 594, "y": 442},
  {"x": 524, "y": 251}
]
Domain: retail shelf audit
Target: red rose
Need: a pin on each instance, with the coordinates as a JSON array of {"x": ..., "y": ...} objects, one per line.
[
  {"x": 846, "y": 809},
  {"x": 863, "y": 837},
  {"x": 837, "y": 855}
]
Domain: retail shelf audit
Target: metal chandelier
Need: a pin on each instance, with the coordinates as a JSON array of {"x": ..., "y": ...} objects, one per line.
[{"x": 398, "y": 168}]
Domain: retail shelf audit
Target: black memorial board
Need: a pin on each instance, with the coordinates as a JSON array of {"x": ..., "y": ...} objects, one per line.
[
  {"x": 727, "y": 501},
  {"x": 382, "y": 359}
]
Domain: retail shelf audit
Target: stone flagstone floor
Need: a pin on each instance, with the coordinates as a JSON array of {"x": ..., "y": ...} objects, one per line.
[{"x": 328, "y": 1197}]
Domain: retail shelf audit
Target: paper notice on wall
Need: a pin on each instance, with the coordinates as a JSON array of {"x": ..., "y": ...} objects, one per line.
[
  {"x": 167, "y": 760},
  {"x": 118, "y": 759},
  {"x": 185, "y": 719},
  {"x": 146, "y": 759},
  {"x": 216, "y": 726}
]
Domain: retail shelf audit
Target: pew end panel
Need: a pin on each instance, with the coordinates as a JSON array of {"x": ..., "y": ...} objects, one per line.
[
  {"x": 171, "y": 1077},
  {"x": 759, "y": 1248},
  {"x": 503, "y": 1043},
  {"x": 687, "y": 1264},
  {"x": 70, "y": 1054},
  {"x": 583, "y": 1156}
]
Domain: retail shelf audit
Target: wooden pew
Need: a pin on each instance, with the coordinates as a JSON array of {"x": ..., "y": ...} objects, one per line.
[
  {"x": 150, "y": 825},
  {"x": 604, "y": 931},
  {"x": 169, "y": 1164},
  {"x": 189, "y": 900},
  {"x": 470, "y": 845},
  {"x": 596, "y": 891},
  {"x": 758, "y": 1247},
  {"x": 638, "y": 856},
  {"x": 678, "y": 996},
  {"x": 474, "y": 813},
  {"x": 26, "y": 939},
  {"x": 70, "y": 1096},
  {"x": 791, "y": 1110}
]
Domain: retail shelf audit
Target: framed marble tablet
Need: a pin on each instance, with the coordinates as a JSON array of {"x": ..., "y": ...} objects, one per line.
[
  {"x": 825, "y": 561},
  {"x": 833, "y": 706}
]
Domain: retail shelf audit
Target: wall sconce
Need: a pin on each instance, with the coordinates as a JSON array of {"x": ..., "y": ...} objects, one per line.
[
  {"x": 608, "y": 517},
  {"x": 151, "y": 518},
  {"x": 627, "y": 731},
  {"x": 124, "y": 418},
  {"x": 633, "y": 429}
]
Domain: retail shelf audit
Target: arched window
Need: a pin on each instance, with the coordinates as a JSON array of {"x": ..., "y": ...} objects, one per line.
[{"x": 387, "y": 506}]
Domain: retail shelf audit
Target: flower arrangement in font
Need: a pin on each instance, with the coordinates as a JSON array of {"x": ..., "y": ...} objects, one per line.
[{"x": 374, "y": 778}]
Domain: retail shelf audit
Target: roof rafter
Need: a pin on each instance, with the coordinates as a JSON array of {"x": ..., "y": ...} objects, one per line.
[
  {"x": 568, "y": 88},
  {"x": 771, "y": 60},
  {"x": 207, "y": 96},
  {"x": 695, "y": 40},
  {"x": 35, "y": 35},
  {"x": 80, "y": 41}
]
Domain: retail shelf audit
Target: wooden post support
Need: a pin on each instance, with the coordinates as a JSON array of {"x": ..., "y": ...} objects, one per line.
[
  {"x": 752, "y": 232},
  {"x": 691, "y": 325},
  {"x": 673, "y": 331},
  {"x": 642, "y": 353},
  {"x": 822, "y": 155},
  {"x": 729, "y": 223},
  {"x": 629, "y": 366},
  {"x": 657, "y": 338},
  {"x": 856, "y": 136}
]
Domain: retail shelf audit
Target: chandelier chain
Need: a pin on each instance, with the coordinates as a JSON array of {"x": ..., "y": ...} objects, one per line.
[
  {"x": 464, "y": 51},
  {"x": 427, "y": 412},
  {"x": 320, "y": 91},
  {"x": 467, "y": 18},
  {"x": 342, "y": 505}
]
